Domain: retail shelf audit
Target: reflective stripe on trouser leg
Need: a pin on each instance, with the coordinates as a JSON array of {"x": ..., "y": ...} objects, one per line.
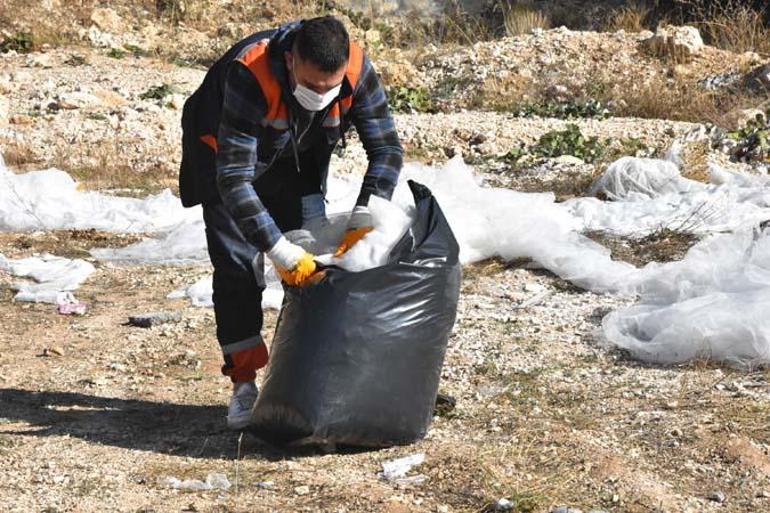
[
  {"x": 242, "y": 359},
  {"x": 238, "y": 284}
]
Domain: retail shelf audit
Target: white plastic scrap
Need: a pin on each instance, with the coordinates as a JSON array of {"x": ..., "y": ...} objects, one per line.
[
  {"x": 214, "y": 481},
  {"x": 184, "y": 244},
  {"x": 396, "y": 470},
  {"x": 50, "y": 200},
  {"x": 52, "y": 277},
  {"x": 713, "y": 303}
]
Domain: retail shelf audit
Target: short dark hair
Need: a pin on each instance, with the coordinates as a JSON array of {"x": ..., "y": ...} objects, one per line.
[{"x": 324, "y": 42}]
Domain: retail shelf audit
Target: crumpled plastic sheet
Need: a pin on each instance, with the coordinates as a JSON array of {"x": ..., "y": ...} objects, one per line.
[
  {"x": 214, "y": 481},
  {"x": 184, "y": 244},
  {"x": 50, "y": 200},
  {"x": 710, "y": 304},
  {"x": 49, "y": 279},
  {"x": 713, "y": 304}
]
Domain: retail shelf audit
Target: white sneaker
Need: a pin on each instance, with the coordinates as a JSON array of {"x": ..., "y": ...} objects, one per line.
[{"x": 243, "y": 398}]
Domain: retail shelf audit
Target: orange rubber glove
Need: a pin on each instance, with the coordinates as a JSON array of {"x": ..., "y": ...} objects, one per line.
[
  {"x": 301, "y": 273},
  {"x": 350, "y": 238},
  {"x": 359, "y": 225},
  {"x": 293, "y": 264}
]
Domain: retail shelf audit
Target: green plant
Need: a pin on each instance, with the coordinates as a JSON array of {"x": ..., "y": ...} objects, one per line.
[
  {"x": 136, "y": 51},
  {"x": 21, "y": 42},
  {"x": 753, "y": 140},
  {"x": 564, "y": 110},
  {"x": 515, "y": 154},
  {"x": 569, "y": 141},
  {"x": 410, "y": 99},
  {"x": 158, "y": 92},
  {"x": 116, "y": 53}
]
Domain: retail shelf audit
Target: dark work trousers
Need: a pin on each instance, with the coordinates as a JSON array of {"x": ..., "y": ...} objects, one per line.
[{"x": 238, "y": 265}]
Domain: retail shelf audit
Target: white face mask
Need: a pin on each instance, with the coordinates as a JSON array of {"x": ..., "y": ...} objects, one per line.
[{"x": 312, "y": 101}]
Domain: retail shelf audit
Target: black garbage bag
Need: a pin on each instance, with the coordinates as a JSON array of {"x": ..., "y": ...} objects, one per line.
[{"x": 356, "y": 358}]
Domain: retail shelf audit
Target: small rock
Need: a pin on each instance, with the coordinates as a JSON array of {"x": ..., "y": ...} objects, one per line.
[
  {"x": 717, "y": 497},
  {"x": 764, "y": 494},
  {"x": 77, "y": 100},
  {"x": 108, "y": 20},
  {"x": 565, "y": 509},
  {"x": 372, "y": 36},
  {"x": 176, "y": 101},
  {"x": 109, "y": 98},
  {"x": 302, "y": 490},
  {"x": 98, "y": 38},
  {"x": 503, "y": 505},
  {"x": 678, "y": 43},
  {"x": 5, "y": 107},
  {"x": 39, "y": 60},
  {"x": 266, "y": 485},
  {"x": 52, "y": 351},
  {"x": 478, "y": 139},
  {"x": 758, "y": 78},
  {"x": 445, "y": 404},
  {"x": 568, "y": 160},
  {"x": 149, "y": 320},
  {"x": 533, "y": 287}
]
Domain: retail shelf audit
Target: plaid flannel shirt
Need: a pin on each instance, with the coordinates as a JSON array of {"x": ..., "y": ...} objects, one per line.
[{"x": 238, "y": 138}]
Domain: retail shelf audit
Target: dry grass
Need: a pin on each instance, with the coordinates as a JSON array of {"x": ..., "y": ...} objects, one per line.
[
  {"x": 673, "y": 98},
  {"x": 665, "y": 95},
  {"x": 630, "y": 18},
  {"x": 104, "y": 166},
  {"x": 17, "y": 155},
  {"x": 695, "y": 165},
  {"x": 521, "y": 19},
  {"x": 732, "y": 25}
]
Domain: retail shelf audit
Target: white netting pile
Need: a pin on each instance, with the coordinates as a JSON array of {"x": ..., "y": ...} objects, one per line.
[{"x": 709, "y": 304}]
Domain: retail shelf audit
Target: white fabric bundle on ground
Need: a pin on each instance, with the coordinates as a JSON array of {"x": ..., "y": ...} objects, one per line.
[
  {"x": 632, "y": 178},
  {"x": 51, "y": 276},
  {"x": 184, "y": 244},
  {"x": 712, "y": 304},
  {"x": 50, "y": 200}
]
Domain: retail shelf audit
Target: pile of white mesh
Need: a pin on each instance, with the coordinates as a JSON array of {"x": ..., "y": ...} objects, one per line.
[{"x": 708, "y": 305}]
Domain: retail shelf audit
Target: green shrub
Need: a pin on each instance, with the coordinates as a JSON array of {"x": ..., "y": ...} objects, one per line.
[
  {"x": 569, "y": 141},
  {"x": 753, "y": 140},
  {"x": 21, "y": 42},
  {"x": 158, "y": 92},
  {"x": 410, "y": 99},
  {"x": 565, "y": 110}
]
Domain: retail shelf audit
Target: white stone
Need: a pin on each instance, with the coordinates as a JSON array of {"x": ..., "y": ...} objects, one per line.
[
  {"x": 5, "y": 110},
  {"x": 100, "y": 39},
  {"x": 568, "y": 160},
  {"x": 77, "y": 100},
  {"x": 39, "y": 60},
  {"x": 679, "y": 43},
  {"x": 108, "y": 20}
]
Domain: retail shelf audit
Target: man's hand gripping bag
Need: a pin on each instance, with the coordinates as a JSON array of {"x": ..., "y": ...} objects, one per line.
[{"x": 356, "y": 358}]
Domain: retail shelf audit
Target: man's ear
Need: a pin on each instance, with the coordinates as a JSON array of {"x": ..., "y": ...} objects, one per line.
[{"x": 289, "y": 59}]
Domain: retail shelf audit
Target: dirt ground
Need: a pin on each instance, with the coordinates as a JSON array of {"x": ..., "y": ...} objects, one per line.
[{"x": 95, "y": 415}]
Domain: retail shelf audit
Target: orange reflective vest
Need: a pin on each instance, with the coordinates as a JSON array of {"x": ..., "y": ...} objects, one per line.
[{"x": 255, "y": 57}]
